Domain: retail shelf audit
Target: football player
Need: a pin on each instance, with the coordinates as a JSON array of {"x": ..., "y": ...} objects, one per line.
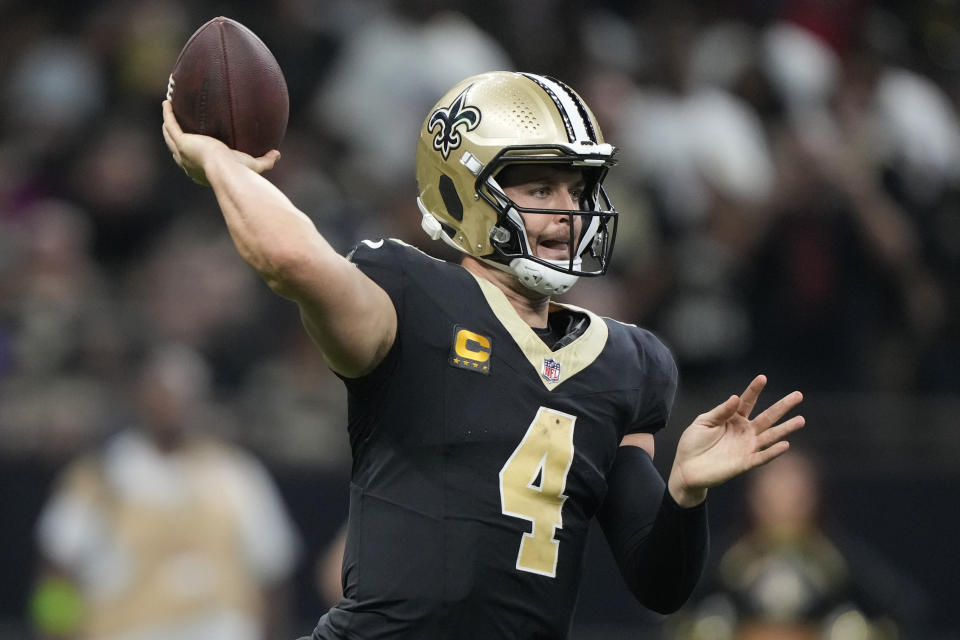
[{"x": 488, "y": 422}]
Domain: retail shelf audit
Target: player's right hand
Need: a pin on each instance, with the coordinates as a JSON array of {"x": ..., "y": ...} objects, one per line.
[{"x": 192, "y": 151}]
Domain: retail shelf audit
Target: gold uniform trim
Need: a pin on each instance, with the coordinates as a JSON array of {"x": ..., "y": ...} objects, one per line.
[{"x": 573, "y": 358}]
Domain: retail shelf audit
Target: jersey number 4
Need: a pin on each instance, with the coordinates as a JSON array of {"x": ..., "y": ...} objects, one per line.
[{"x": 532, "y": 483}]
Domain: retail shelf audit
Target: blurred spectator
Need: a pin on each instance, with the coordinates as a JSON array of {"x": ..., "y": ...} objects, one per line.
[
  {"x": 391, "y": 69},
  {"x": 191, "y": 288},
  {"x": 55, "y": 88},
  {"x": 116, "y": 179},
  {"x": 294, "y": 409},
  {"x": 790, "y": 577},
  {"x": 844, "y": 288},
  {"x": 59, "y": 332},
  {"x": 49, "y": 285},
  {"x": 702, "y": 156},
  {"x": 164, "y": 532}
]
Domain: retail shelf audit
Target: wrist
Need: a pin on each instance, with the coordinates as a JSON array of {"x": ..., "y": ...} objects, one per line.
[
  {"x": 214, "y": 164},
  {"x": 215, "y": 158},
  {"x": 683, "y": 495}
]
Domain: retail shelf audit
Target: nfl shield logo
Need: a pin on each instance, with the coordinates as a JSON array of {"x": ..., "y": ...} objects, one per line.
[{"x": 551, "y": 369}]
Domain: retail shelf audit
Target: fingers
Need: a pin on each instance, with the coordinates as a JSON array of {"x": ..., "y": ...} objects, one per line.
[
  {"x": 171, "y": 130},
  {"x": 777, "y": 410},
  {"x": 266, "y": 161},
  {"x": 171, "y": 144},
  {"x": 771, "y": 452},
  {"x": 771, "y": 443},
  {"x": 720, "y": 413},
  {"x": 259, "y": 165},
  {"x": 750, "y": 395},
  {"x": 170, "y": 120},
  {"x": 777, "y": 433}
]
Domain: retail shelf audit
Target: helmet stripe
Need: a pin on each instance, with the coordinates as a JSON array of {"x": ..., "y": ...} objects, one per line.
[
  {"x": 571, "y": 108},
  {"x": 581, "y": 109}
]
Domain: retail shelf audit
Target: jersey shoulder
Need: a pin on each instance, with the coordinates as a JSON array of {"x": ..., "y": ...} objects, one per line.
[
  {"x": 393, "y": 264},
  {"x": 390, "y": 252},
  {"x": 656, "y": 370},
  {"x": 654, "y": 356}
]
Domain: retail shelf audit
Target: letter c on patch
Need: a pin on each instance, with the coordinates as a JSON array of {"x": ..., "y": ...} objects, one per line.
[{"x": 472, "y": 346}]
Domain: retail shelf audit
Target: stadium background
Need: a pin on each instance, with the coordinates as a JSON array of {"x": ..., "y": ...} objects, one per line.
[{"x": 105, "y": 246}]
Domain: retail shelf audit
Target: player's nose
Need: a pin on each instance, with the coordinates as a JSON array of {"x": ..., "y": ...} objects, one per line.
[{"x": 565, "y": 202}]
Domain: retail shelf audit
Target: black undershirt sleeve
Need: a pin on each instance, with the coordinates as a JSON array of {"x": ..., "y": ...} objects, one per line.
[{"x": 660, "y": 547}]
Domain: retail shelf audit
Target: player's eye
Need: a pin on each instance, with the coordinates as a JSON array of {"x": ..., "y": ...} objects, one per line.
[{"x": 540, "y": 191}]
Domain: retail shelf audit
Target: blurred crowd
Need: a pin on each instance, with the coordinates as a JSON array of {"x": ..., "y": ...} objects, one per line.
[
  {"x": 788, "y": 189},
  {"x": 793, "y": 571}
]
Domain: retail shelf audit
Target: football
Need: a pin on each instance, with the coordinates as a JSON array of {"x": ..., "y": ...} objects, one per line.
[{"x": 226, "y": 84}]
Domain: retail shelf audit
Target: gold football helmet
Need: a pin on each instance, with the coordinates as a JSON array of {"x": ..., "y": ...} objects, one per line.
[{"x": 496, "y": 119}]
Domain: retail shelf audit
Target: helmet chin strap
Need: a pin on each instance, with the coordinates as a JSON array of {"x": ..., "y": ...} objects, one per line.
[
  {"x": 538, "y": 277},
  {"x": 542, "y": 279}
]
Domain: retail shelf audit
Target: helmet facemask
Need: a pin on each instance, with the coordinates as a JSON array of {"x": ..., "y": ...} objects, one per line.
[{"x": 590, "y": 242}]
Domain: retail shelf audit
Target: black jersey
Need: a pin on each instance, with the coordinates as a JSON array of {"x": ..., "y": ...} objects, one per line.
[{"x": 479, "y": 457}]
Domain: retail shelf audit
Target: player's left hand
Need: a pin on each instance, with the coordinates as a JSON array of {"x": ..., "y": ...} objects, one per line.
[{"x": 724, "y": 442}]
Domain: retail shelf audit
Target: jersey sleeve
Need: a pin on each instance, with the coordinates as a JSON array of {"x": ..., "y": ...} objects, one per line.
[
  {"x": 380, "y": 260},
  {"x": 383, "y": 261},
  {"x": 658, "y": 384}
]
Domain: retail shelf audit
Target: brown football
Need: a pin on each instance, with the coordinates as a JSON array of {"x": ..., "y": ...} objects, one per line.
[{"x": 228, "y": 85}]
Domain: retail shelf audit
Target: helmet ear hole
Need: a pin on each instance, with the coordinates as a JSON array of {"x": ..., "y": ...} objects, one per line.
[{"x": 448, "y": 192}]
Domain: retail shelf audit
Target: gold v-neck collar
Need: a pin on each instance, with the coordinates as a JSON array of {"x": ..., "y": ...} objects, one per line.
[{"x": 566, "y": 361}]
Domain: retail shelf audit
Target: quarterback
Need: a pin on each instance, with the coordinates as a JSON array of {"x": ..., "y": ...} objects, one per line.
[{"x": 488, "y": 422}]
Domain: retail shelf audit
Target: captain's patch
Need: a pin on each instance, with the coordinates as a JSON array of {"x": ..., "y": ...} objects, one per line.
[{"x": 471, "y": 350}]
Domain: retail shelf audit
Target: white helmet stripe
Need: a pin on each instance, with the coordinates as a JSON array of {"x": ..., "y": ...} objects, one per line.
[{"x": 579, "y": 128}]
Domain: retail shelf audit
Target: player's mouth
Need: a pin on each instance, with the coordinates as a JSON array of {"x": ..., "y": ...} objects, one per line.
[{"x": 556, "y": 249}]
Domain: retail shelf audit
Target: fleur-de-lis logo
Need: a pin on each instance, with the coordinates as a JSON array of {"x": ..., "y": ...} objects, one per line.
[{"x": 449, "y": 120}]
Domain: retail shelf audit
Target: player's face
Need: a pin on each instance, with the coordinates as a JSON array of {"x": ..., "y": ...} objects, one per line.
[{"x": 546, "y": 187}]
